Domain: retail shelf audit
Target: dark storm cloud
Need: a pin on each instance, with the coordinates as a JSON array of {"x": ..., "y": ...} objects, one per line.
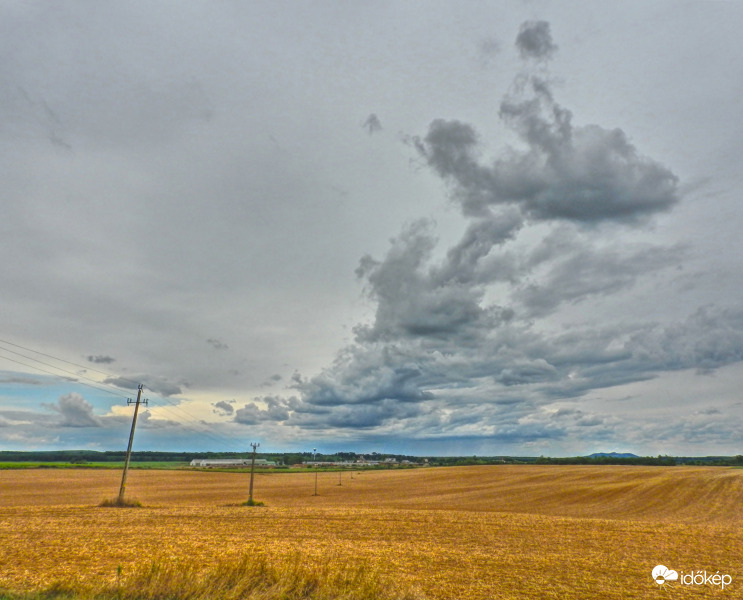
[
  {"x": 433, "y": 333},
  {"x": 535, "y": 40},
  {"x": 75, "y": 411},
  {"x": 438, "y": 356},
  {"x": 585, "y": 174},
  {"x": 408, "y": 300},
  {"x": 415, "y": 298},
  {"x": 368, "y": 374},
  {"x": 365, "y": 416},
  {"x": 101, "y": 359}
]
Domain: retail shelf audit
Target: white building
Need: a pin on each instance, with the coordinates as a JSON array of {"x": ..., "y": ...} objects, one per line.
[{"x": 231, "y": 462}]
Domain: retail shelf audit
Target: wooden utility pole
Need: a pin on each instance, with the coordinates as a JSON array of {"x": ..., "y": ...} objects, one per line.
[
  {"x": 252, "y": 470},
  {"x": 314, "y": 458},
  {"x": 131, "y": 440}
]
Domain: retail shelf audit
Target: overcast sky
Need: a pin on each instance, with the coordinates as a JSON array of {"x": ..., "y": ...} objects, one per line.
[{"x": 414, "y": 227}]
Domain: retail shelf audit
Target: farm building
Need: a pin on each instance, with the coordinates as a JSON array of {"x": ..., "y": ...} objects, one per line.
[{"x": 230, "y": 462}]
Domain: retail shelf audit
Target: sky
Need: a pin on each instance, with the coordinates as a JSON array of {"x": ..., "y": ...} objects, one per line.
[{"x": 432, "y": 228}]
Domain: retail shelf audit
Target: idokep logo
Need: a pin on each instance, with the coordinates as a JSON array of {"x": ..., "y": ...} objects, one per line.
[{"x": 663, "y": 576}]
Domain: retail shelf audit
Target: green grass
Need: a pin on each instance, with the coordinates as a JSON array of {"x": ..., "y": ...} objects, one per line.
[
  {"x": 93, "y": 465},
  {"x": 251, "y": 502},
  {"x": 245, "y": 578}
]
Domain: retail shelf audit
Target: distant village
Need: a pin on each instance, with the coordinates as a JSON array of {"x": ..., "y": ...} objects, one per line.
[
  {"x": 269, "y": 464},
  {"x": 338, "y": 460}
]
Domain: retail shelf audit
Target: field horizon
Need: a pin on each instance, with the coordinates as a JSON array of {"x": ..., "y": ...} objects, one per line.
[{"x": 511, "y": 531}]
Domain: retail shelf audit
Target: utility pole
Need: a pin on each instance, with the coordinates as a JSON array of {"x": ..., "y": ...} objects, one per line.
[
  {"x": 314, "y": 458},
  {"x": 252, "y": 470},
  {"x": 131, "y": 440}
]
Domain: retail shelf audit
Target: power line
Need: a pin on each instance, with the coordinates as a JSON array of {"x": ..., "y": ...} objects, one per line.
[
  {"x": 76, "y": 376},
  {"x": 203, "y": 430},
  {"x": 197, "y": 427},
  {"x": 95, "y": 387},
  {"x": 86, "y": 367}
]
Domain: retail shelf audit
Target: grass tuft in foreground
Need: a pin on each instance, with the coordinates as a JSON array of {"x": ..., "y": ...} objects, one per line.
[
  {"x": 119, "y": 503},
  {"x": 245, "y": 578},
  {"x": 251, "y": 502}
]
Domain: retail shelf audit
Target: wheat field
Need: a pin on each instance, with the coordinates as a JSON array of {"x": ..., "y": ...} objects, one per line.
[{"x": 486, "y": 532}]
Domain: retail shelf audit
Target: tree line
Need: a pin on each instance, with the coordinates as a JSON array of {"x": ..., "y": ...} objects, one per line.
[{"x": 293, "y": 458}]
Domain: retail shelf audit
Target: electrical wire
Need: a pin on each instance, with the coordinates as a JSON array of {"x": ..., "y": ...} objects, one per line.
[
  {"x": 196, "y": 426},
  {"x": 86, "y": 367},
  {"x": 76, "y": 376}
]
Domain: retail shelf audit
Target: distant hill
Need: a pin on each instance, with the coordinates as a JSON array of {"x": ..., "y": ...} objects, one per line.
[{"x": 613, "y": 455}]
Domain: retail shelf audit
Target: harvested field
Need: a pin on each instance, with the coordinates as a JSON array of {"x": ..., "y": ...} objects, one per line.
[{"x": 470, "y": 532}]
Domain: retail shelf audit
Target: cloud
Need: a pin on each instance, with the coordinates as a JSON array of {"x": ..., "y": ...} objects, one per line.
[
  {"x": 14, "y": 379},
  {"x": 408, "y": 301},
  {"x": 548, "y": 284},
  {"x": 223, "y": 408},
  {"x": 527, "y": 371},
  {"x": 75, "y": 411},
  {"x": 147, "y": 421},
  {"x": 372, "y": 124},
  {"x": 710, "y": 338},
  {"x": 584, "y": 174},
  {"x": 487, "y": 50},
  {"x": 364, "y": 416},
  {"x": 274, "y": 379},
  {"x": 276, "y": 409},
  {"x": 101, "y": 359},
  {"x": 442, "y": 358},
  {"x": 535, "y": 40},
  {"x": 574, "y": 269}
]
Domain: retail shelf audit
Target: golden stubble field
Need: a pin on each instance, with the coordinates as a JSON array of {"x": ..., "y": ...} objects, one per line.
[{"x": 491, "y": 532}]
